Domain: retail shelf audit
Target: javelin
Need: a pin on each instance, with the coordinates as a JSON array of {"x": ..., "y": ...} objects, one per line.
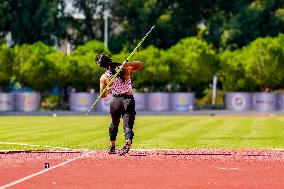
[{"x": 121, "y": 67}]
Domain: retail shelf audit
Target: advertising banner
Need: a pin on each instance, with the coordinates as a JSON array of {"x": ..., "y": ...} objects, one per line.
[
  {"x": 7, "y": 102},
  {"x": 265, "y": 101},
  {"x": 238, "y": 101},
  {"x": 81, "y": 101},
  {"x": 27, "y": 101},
  {"x": 280, "y": 98},
  {"x": 182, "y": 101},
  {"x": 158, "y": 101},
  {"x": 140, "y": 101}
]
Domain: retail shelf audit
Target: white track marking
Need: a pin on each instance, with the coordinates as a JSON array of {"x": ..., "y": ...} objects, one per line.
[
  {"x": 42, "y": 171},
  {"x": 37, "y": 145}
]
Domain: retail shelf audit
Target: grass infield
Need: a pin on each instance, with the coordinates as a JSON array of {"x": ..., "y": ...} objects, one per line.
[{"x": 151, "y": 132}]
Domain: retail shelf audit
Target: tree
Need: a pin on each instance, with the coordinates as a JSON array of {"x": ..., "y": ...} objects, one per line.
[
  {"x": 225, "y": 24},
  {"x": 174, "y": 19},
  {"x": 31, "y": 21},
  {"x": 232, "y": 73},
  {"x": 263, "y": 62},
  {"x": 187, "y": 66},
  {"x": 61, "y": 68},
  {"x": 34, "y": 68},
  {"x": 155, "y": 74},
  {"x": 254, "y": 67},
  {"x": 237, "y": 23},
  {"x": 84, "y": 73},
  {"x": 90, "y": 26},
  {"x": 6, "y": 66},
  {"x": 5, "y": 19},
  {"x": 193, "y": 64}
]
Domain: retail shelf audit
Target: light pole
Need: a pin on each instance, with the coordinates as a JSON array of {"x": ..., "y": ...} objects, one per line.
[{"x": 106, "y": 15}]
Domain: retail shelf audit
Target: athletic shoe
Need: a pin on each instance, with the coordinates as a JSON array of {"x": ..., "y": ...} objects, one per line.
[
  {"x": 123, "y": 150},
  {"x": 111, "y": 150}
]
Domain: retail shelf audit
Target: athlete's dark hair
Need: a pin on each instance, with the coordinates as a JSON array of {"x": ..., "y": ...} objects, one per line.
[
  {"x": 103, "y": 60},
  {"x": 106, "y": 62}
]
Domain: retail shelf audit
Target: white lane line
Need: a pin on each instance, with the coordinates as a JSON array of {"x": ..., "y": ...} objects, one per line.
[
  {"x": 42, "y": 171},
  {"x": 37, "y": 145}
]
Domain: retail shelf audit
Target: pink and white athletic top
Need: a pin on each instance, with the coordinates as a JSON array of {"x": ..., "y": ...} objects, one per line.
[{"x": 119, "y": 87}]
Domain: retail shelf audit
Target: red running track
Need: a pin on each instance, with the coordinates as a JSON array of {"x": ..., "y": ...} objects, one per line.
[{"x": 222, "y": 169}]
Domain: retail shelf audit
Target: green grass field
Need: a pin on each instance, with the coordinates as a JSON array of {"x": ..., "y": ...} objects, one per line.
[{"x": 151, "y": 132}]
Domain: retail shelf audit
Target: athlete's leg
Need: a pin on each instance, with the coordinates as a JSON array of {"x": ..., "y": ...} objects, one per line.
[
  {"x": 115, "y": 112},
  {"x": 128, "y": 116}
]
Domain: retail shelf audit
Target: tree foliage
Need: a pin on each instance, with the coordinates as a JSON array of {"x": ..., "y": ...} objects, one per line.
[
  {"x": 187, "y": 66},
  {"x": 193, "y": 40},
  {"x": 255, "y": 66},
  {"x": 232, "y": 72},
  {"x": 6, "y": 66},
  {"x": 34, "y": 68},
  {"x": 237, "y": 23},
  {"x": 31, "y": 21},
  {"x": 225, "y": 24},
  {"x": 84, "y": 73},
  {"x": 155, "y": 74},
  {"x": 263, "y": 61},
  {"x": 90, "y": 26},
  {"x": 193, "y": 64}
]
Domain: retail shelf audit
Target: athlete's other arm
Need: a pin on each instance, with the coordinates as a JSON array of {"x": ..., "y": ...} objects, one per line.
[
  {"x": 103, "y": 83},
  {"x": 135, "y": 65}
]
